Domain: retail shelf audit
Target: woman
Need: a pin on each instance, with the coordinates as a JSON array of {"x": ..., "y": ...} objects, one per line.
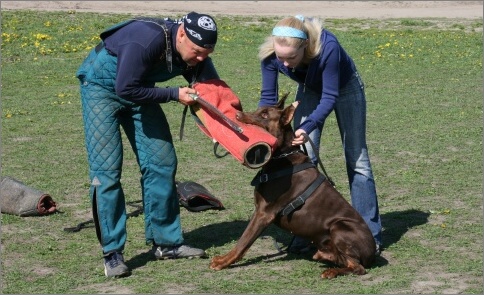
[{"x": 327, "y": 80}]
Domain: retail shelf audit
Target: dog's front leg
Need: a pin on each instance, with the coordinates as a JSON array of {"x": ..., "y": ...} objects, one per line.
[{"x": 257, "y": 224}]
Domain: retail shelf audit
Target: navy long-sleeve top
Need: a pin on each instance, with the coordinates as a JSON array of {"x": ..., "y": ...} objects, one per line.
[
  {"x": 141, "y": 61},
  {"x": 326, "y": 74}
]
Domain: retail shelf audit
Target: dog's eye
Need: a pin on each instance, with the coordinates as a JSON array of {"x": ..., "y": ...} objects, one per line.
[{"x": 264, "y": 115}]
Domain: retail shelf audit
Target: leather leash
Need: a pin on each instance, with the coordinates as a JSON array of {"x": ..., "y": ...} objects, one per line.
[{"x": 317, "y": 155}]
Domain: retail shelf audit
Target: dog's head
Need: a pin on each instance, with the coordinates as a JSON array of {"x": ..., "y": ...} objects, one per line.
[{"x": 275, "y": 119}]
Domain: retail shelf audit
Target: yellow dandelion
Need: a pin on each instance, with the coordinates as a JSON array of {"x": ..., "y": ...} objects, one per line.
[{"x": 39, "y": 36}]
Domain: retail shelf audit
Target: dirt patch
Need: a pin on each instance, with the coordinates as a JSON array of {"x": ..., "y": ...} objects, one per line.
[{"x": 323, "y": 9}]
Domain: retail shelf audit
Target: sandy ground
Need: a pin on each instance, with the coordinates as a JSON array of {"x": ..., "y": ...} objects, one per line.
[{"x": 323, "y": 9}]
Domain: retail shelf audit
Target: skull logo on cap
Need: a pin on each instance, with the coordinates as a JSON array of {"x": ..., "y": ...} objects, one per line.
[{"x": 206, "y": 23}]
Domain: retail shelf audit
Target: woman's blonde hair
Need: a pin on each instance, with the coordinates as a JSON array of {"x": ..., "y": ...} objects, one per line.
[{"x": 312, "y": 27}]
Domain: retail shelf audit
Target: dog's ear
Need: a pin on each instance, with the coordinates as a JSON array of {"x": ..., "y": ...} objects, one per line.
[
  {"x": 288, "y": 113},
  {"x": 282, "y": 100}
]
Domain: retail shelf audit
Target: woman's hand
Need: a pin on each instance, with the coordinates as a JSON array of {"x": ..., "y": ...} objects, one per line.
[{"x": 299, "y": 137}]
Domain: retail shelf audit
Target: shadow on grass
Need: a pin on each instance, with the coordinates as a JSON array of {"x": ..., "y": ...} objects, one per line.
[{"x": 396, "y": 224}]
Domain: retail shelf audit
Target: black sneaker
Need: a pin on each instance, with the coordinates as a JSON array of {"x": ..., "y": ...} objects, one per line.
[
  {"x": 299, "y": 245},
  {"x": 180, "y": 251},
  {"x": 378, "y": 250},
  {"x": 114, "y": 266}
]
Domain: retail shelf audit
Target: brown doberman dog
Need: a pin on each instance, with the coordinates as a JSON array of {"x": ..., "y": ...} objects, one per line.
[{"x": 291, "y": 193}]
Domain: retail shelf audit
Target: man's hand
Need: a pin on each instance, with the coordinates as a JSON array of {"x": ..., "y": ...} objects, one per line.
[
  {"x": 184, "y": 95},
  {"x": 298, "y": 137}
]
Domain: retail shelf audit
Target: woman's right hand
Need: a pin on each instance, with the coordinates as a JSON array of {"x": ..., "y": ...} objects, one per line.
[{"x": 299, "y": 137}]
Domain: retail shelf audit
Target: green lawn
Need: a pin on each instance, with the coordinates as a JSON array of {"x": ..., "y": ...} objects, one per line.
[{"x": 424, "y": 90}]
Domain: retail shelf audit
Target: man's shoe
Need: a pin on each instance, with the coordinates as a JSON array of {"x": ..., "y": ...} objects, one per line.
[
  {"x": 181, "y": 251},
  {"x": 299, "y": 245},
  {"x": 114, "y": 266}
]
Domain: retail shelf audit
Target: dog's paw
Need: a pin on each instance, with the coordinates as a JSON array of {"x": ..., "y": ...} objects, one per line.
[
  {"x": 329, "y": 274},
  {"x": 217, "y": 263}
]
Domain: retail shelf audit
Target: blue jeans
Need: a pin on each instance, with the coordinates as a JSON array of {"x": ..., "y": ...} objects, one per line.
[{"x": 350, "y": 111}]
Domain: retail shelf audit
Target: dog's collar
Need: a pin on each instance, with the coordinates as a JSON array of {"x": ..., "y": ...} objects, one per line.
[{"x": 283, "y": 155}]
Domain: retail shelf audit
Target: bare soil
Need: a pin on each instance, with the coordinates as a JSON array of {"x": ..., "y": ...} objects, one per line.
[{"x": 322, "y": 9}]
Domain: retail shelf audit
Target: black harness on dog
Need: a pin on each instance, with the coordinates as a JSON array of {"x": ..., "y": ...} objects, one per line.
[
  {"x": 301, "y": 199},
  {"x": 262, "y": 177}
]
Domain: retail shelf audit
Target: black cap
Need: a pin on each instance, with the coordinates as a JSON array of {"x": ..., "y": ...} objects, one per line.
[{"x": 201, "y": 29}]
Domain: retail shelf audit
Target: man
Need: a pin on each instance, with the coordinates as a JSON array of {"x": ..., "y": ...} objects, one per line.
[{"x": 117, "y": 85}]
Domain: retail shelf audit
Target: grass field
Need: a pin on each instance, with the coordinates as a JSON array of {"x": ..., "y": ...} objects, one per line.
[{"x": 423, "y": 80}]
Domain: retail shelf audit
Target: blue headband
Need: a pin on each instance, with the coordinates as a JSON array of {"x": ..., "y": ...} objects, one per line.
[{"x": 288, "y": 32}]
